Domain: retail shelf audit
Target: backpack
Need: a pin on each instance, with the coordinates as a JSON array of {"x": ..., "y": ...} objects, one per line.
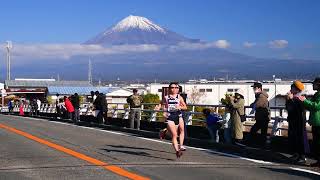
[{"x": 135, "y": 101}]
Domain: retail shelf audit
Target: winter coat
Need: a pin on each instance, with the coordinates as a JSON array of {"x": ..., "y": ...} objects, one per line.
[
  {"x": 313, "y": 106},
  {"x": 100, "y": 103},
  {"x": 297, "y": 133},
  {"x": 76, "y": 102},
  {"x": 236, "y": 124},
  {"x": 68, "y": 105},
  {"x": 262, "y": 107},
  {"x": 135, "y": 101}
]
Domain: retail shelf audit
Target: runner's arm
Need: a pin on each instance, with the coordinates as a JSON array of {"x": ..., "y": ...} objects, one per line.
[{"x": 183, "y": 105}]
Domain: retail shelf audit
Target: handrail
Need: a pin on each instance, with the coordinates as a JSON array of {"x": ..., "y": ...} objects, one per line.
[{"x": 276, "y": 123}]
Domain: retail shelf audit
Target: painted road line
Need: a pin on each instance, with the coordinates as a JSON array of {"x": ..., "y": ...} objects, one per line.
[
  {"x": 189, "y": 147},
  {"x": 305, "y": 170},
  {"x": 112, "y": 168}
]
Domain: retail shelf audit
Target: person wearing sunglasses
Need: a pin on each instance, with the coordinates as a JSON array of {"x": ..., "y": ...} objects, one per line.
[{"x": 172, "y": 105}]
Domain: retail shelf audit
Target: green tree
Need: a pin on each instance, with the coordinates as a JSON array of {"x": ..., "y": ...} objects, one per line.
[
  {"x": 49, "y": 100},
  {"x": 81, "y": 99},
  {"x": 150, "y": 98}
]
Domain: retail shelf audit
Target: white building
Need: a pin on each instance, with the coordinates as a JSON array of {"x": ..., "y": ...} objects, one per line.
[
  {"x": 142, "y": 89},
  {"x": 118, "y": 96},
  {"x": 210, "y": 93}
]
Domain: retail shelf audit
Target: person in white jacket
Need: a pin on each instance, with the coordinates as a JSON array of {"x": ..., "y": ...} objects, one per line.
[
  {"x": 226, "y": 124},
  {"x": 39, "y": 106}
]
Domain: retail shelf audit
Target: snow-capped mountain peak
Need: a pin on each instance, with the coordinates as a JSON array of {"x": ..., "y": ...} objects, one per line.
[
  {"x": 137, "y": 22},
  {"x": 138, "y": 30}
]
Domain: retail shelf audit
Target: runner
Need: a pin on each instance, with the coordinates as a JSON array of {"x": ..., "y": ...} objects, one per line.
[{"x": 172, "y": 105}]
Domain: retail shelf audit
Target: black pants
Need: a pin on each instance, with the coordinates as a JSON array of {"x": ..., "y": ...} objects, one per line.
[
  {"x": 260, "y": 125},
  {"x": 316, "y": 141},
  {"x": 100, "y": 117},
  {"x": 76, "y": 115}
]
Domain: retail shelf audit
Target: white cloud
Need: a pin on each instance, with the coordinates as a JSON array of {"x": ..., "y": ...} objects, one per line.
[
  {"x": 191, "y": 46},
  {"x": 222, "y": 44},
  {"x": 200, "y": 46},
  {"x": 65, "y": 51},
  {"x": 249, "y": 44},
  {"x": 278, "y": 44}
]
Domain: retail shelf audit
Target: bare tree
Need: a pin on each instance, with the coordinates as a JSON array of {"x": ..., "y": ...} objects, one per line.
[{"x": 195, "y": 95}]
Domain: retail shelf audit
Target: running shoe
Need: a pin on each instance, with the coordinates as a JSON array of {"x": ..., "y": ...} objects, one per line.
[
  {"x": 178, "y": 154},
  {"x": 162, "y": 134},
  {"x": 301, "y": 161},
  {"x": 182, "y": 148}
]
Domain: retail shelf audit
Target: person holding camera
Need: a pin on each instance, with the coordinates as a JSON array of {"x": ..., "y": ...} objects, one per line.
[{"x": 237, "y": 116}]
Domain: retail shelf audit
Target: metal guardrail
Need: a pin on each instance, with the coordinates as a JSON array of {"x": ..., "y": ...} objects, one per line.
[{"x": 124, "y": 109}]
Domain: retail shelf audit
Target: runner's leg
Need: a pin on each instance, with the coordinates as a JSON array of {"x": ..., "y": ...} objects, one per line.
[
  {"x": 173, "y": 130},
  {"x": 181, "y": 135}
]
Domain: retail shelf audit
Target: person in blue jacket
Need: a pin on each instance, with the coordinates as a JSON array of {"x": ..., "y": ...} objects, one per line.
[{"x": 212, "y": 125}]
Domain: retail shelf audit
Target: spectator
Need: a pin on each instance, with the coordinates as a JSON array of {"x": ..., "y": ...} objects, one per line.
[
  {"x": 39, "y": 106},
  {"x": 10, "y": 106},
  {"x": 61, "y": 109},
  {"x": 104, "y": 106},
  {"x": 100, "y": 106},
  {"x": 135, "y": 101},
  {"x": 69, "y": 107},
  {"x": 76, "y": 104},
  {"x": 34, "y": 107},
  {"x": 237, "y": 110},
  {"x": 212, "y": 125},
  {"x": 297, "y": 133},
  {"x": 313, "y": 105},
  {"x": 262, "y": 113},
  {"x": 226, "y": 124},
  {"x": 21, "y": 105}
]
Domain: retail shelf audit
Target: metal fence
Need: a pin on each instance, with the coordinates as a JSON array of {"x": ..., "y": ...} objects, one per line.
[{"x": 122, "y": 110}]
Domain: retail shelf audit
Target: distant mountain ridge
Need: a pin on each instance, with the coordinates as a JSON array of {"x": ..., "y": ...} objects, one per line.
[
  {"x": 138, "y": 30},
  {"x": 175, "y": 57}
]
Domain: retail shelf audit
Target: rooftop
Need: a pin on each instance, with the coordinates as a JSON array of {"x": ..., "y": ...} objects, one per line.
[{"x": 45, "y": 83}]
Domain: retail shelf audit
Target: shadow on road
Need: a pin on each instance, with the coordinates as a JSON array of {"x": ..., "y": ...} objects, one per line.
[
  {"x": 293, "y": 172},
  {"x": 138, "y": 148},
  {"x": 133, "y": 151}
]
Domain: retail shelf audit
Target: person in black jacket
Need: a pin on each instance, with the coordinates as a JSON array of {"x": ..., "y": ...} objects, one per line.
[
  {"x": 76, "y": 104},
  {"x": 297, "y": 133},
  {"x": 100, "y": 105},
  {"x": 262, "y": 115}
]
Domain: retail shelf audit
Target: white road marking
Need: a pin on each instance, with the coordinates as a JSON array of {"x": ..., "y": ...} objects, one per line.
[
  {"x": 189, "y": 147},
  {"x": 305, "y": 170}
]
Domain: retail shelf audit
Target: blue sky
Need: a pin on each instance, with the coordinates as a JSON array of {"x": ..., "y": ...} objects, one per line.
[{"x": 272, "y": 28}]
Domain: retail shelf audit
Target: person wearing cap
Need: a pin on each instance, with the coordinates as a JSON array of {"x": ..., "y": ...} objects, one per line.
[
  {"x": 297, "y": 133},
  {"x": 237, "y": 110},
  {"x": 313, "y": 105},
  {"x": 262, "y": 113},
  {"x": 135, "y": 102}
]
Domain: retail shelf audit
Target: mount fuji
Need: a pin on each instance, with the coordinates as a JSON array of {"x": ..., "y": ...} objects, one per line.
[
  {"x": 136, "y": 48},
  {"x": 138, "y": 30}
]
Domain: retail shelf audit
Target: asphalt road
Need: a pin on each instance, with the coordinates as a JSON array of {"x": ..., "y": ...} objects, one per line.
[{"x": 42, "y": 149}]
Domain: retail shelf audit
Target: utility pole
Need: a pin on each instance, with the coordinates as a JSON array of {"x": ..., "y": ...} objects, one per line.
[
  {"x": 275, "y": 90},
  {"x": 90, "y": 71},
  {"x": 9, "y": 47}
]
